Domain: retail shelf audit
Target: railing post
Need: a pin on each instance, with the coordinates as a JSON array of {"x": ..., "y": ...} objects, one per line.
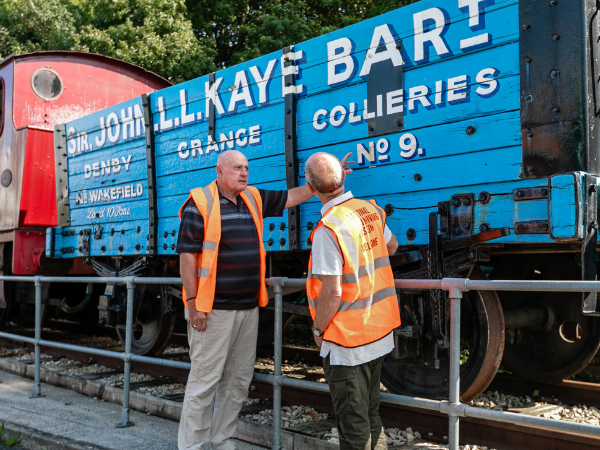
[
  {"x": 37, "y": 385},
  {"x": 277, "y": 367},
  {"x": 453, "y": 431},
  {"x": 127, "y": 355}
]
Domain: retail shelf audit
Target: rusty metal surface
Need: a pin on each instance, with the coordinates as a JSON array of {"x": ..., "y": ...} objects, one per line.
[
  {"x": 532, "y": 193},
  {"x": 456, "y": 217},
  {"x": 478, "y": 238},
  {"x": 531, "y": 228},
  {"x": 558, "y": 105}
]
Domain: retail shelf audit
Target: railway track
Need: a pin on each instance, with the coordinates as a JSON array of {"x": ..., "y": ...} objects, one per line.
[{"x": 433, "y": 426}]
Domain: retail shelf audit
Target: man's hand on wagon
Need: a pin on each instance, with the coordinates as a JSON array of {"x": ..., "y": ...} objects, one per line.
[{"x": 345, "y": 162}]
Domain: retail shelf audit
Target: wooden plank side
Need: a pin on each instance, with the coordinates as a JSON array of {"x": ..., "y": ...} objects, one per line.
[
  {"x": 92, "y": 215},
  {"x": 184, "y": 151},
  {"x": 119, "y": 165},
  {"x": 456, "y": 171},
  {"x": 105, "y": 128},
  {"x": 437, "y": 104},
  {"x": 566, "y": 209},
  {"x": 443, "y": 141},
  {"x": 181, "y": 167},
  {"x": 239, "y": 89},
  {"x": 270, "y": 169},
  {"x": 461, "y": 70},
  {"x": 411, "y": 210},
  {"x": 126, "y": 235},
  {"x": 107, "y": 181}
]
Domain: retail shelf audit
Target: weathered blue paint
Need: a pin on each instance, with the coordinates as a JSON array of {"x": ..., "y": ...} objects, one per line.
[
  {"x": 465, "y": 74},
  {"x": 566, "y": 213}
]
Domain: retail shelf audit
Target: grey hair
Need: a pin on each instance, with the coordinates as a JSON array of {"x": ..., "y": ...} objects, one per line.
[{"x": 324, "y": 172}]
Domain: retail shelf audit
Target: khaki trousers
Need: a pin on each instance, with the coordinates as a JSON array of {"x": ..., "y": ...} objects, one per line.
[{"x": 222, "y": 368}]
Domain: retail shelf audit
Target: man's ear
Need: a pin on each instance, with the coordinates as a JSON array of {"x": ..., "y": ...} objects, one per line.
[{"x": 310, "y": 188}]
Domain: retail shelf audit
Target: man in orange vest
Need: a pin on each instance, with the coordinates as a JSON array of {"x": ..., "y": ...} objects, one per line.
[
  {"x": 222, "y": 266},
  {"x": 352, "y": 300}
]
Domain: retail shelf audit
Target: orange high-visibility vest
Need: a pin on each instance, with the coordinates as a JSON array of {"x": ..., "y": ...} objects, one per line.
[
  {"x": 207, "y": 202},
  {"x": 369, "y": 307}
]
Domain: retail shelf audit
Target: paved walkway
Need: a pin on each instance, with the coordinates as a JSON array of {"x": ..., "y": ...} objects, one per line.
[{"x": 66, "y": 420}]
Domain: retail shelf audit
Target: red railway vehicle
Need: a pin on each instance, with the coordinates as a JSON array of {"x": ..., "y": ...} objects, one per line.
[{"x": 37, "y": 91}]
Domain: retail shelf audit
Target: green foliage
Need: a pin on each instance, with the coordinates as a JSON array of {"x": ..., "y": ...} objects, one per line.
[
  {"x": 11, "y": 442},
  {"x": 178, "y": 39},
  {"x": 245, "y": 29},
  {"x": 536, "y": 393},
  {"x": 154, "y": 34},
  {"x": 33, "y": 25},
  {"x": 464, "y": 355},
  {"x": 8, "y": 440}
]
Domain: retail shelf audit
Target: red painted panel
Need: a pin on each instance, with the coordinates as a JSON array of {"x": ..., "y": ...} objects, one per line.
[
  {"x": 26, "y": 246},
  {"x": 28, "y": 250},
  {"x": 38, "y": 193},
  {"x": 89, "y": 85}
]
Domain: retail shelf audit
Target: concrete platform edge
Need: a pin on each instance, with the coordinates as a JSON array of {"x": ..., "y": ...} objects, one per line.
[
  {"x": 247, "y": 431},
  {"x": 33, "y": 439}
]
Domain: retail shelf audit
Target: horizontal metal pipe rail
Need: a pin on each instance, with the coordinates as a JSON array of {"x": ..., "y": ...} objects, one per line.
[{"x": 453, "y": 408}]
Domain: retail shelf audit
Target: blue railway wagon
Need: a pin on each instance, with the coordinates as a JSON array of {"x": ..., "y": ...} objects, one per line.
[{"x": 473, "y": 122}]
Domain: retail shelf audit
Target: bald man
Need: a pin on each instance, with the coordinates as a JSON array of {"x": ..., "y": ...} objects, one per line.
[
  {"x": 352, "y": 300},
  {"x": 222, "y": 266}
]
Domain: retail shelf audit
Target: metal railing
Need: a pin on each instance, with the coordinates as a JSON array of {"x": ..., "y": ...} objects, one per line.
[{"x": 452, "y": 407}]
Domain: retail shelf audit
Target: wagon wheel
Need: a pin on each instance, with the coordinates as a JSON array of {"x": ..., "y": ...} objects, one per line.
[
  {"x": 565, "y": 340},
  {"x": 481, "y": 331},
  {"x": 152, "y": 326}
]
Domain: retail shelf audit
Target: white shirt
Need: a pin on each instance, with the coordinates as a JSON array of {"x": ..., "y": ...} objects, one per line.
[{"x": 329, "y": 261}]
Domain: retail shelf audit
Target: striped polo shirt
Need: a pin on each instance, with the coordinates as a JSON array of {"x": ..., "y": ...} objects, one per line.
[{"x": 238, "y": 260}]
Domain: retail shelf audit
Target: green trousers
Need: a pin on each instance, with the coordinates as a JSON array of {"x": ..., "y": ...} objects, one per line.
[{"x": 355, "y": 395}]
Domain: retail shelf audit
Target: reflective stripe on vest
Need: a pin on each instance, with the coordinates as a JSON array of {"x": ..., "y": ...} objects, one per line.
[
  {"x": 369, "y": 308},
  {"x": 204, "y": 198},
  {"x": 361, "y": 303},
  {"x": 363, "y": 271},
  {"x": 209, "y": 200}
]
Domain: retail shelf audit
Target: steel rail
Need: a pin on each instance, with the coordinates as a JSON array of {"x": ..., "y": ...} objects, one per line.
[
  {"x": 294, "y": 392},
  {"x": 452, "y": 408}
]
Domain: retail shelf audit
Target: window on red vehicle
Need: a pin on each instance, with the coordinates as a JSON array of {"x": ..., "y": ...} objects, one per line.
[{"x": 46, "y": 84}]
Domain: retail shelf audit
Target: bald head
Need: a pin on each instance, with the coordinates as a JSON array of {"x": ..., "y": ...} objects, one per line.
[
  {"x": 324, "y": 173},
  {"x": 229, "y": 157}
]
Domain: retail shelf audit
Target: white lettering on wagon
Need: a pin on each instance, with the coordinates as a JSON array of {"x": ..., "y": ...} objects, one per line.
[
  {"x": 452, "y": 91},
  {"x": 130, "y": 191},
  {"x": 111, "y": 129},
  {"x": 231, "y": 140},
  {"x": 104, "y": 168},
  {"x": 109, "y": 212}
]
